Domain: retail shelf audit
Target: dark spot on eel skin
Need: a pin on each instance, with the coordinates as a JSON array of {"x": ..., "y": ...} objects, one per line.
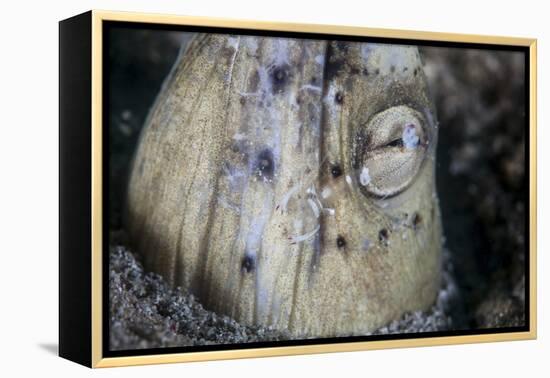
[
  {"x": 335, "y": 64},
  {"x": 376, "y": 71},
  {"x": 383, "y": 236},
  {"x": 235, "y": 148},
  {"x": 405, "y": 69},
  {"x": 336, "y": 171},
  {"x": 392, "y": 69},
  {"x": 265, "y": 167},
  {"x": 415, "y": 72},
  {"x": 242, "y": 100},
  {"x": 248, "y": 263},
  {"x": 417, "y": 221},
  {"x": 340, "y": 241},
  {"x": 365, "y": 72},
  {"x": 339, "y": 98},
  {"x": 280, "y": 78}
]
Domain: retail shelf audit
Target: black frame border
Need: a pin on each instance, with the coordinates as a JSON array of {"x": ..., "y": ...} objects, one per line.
[{"x": 75, "y": 188}]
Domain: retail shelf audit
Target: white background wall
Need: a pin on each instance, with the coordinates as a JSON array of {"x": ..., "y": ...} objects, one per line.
[{"x": 29, "y": 189}]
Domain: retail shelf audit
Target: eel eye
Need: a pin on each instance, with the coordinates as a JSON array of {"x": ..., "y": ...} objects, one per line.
[{"x": 391, "y": 152}]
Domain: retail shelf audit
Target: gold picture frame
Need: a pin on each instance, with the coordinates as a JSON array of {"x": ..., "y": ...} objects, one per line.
[{"x": 90, "y": 328}]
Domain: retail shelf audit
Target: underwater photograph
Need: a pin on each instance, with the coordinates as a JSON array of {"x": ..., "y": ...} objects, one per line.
[{"x": 270, "y": 188}]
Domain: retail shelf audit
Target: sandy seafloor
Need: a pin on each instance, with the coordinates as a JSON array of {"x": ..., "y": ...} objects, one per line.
[{"x": 479, "y": 96}]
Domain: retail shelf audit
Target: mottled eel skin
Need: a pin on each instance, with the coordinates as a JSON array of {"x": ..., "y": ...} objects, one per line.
[{"x": 290, "y": 182}]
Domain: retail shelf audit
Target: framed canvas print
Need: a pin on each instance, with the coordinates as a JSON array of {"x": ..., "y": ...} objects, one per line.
[{"x": 235, "y": 189}]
